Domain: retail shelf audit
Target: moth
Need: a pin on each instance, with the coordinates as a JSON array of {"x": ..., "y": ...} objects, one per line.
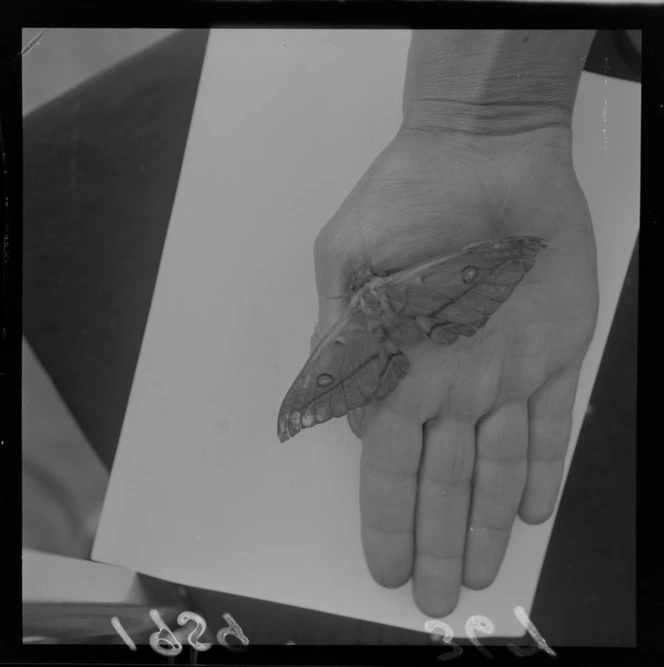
[{"x": 360, "y": 359}]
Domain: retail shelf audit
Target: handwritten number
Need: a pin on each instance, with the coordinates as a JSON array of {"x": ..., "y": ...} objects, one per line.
[
  {"x": 167, "y": 644},
  {"x": 196, "y": 633},
  {"x": 232, "y": 629},
  {"x": 442, "y": 632},
  {"x": 483, "y": 624},
  {"x": 117, "y": 626},
  {"x": 522, "y": 617},
  {"x": 164, "y": 641}
]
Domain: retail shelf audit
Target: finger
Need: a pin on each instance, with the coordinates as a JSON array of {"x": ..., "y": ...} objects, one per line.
[
  {"x": 442, "y": 513},
  {"x": 550, "y": 424},
  {"x": 499, "y": 479},
  {"x": 388, "y": 487}
]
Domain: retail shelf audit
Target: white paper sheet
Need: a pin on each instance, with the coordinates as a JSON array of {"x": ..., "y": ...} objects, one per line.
[{"x": 201, "y": 492}]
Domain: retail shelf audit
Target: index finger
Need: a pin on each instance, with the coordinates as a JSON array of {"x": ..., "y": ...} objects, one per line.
[{"x": 391, "y": 449}]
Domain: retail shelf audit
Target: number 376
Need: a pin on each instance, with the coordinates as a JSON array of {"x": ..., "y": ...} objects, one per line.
[{"x": 441, "y": 631}]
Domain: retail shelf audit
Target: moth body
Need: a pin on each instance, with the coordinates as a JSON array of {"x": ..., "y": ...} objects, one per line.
[{"x": 384, "y": 317}]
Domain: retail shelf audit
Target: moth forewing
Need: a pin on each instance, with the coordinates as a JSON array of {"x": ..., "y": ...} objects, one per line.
[
  {"x": 515, "y": 246},
  {"x": 329, "y": 336},
  {"x": 299, "y": 408}
]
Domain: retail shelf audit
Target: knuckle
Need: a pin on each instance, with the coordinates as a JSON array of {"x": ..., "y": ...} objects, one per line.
[
  {"x": 549, "y": 441},
  {"x": 436, "y": 559},
  {"x": 451, "y": 466},
  {"x": 388, "y": 530},
  {"x": 500, "y": 484},
  {"x": 466, "y": 408},
  {"x": 392, "y": 475},
  {"x": 496, "y": 518}
]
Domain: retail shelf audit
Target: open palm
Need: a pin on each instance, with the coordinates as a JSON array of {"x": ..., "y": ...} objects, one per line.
[{"x": 478, "y": 430}]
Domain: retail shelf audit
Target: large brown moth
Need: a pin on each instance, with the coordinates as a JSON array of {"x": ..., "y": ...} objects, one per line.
[{"x": 359, "y": 360}]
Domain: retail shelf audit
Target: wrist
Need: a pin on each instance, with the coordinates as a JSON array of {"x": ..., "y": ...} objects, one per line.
[{"x": 493, "y": 82}]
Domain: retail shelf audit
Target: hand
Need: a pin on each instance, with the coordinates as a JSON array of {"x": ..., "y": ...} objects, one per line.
[{"x": 478, "y": 430}]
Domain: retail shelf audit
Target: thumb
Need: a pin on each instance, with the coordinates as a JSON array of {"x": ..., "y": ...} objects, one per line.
[
  {"x": 315, "y": 336},
  {"x": 337, "y": 267}
]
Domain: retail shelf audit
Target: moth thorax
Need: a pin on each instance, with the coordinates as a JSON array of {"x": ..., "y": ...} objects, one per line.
[
  {"x": 360, "y": 280},
  {"x": 372, "y": 297}
]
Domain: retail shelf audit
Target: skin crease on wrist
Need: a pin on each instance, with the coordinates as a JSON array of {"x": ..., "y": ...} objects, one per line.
[{"x": 493, "y": 82}]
